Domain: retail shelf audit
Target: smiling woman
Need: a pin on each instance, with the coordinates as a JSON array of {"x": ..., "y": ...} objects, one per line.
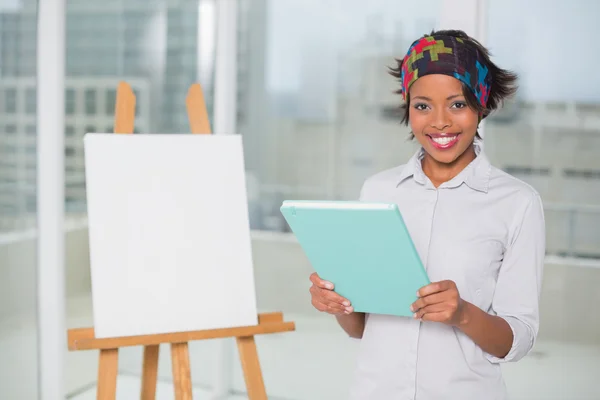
[
  {"x": 479, "y": 232},
  {"x": 449, "y": 84}
]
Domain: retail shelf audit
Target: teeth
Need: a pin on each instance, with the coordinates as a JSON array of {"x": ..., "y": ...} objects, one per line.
[{"x": 444, "y": 139}]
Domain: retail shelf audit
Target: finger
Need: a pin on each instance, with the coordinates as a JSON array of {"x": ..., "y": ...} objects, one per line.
[
  {"x": 427, "y": 300},
  {"x": 328, "y": 297},
  {"x": 441, "y": 316},
  {"x": 325, "y": 307},
  {"x": 331, "y": 308},
  {"x": 316, "y": 279},
  {"x": 335, "y": 298},
  {"x": 431, "y": 309},
  {"x": 435, "y": 287}
]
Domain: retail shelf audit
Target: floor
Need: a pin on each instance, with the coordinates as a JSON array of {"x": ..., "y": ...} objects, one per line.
[
  {"x": 129, "y": 388},
  {"x": 313, "y": 363}
]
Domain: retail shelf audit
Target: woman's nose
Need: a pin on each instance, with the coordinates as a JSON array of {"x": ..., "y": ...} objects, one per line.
[{"x": 440, "y": 120}]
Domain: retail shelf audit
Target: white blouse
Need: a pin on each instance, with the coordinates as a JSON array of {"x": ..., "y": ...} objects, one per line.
[{"x": 484, "y": 230}]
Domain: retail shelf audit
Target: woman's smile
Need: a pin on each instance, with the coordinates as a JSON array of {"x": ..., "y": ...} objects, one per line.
[{"x": 443, "y": 141}]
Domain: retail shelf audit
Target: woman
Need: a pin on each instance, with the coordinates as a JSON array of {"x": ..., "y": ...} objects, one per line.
[{"x": 479, "y": 231}]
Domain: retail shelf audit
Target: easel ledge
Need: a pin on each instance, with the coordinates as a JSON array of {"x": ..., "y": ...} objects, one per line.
[{"x": 84, "y": 338}]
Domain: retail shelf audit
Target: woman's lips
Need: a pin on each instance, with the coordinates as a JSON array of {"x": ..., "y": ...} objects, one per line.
[{"x": 443, "y": 141}]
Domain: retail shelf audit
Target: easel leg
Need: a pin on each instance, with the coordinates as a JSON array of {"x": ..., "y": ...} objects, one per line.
[
  {"x": 182, "y": 378},
  {"x": 107, "y": 374},
  {"x": 251, "y": 366},
  {"x": 150, "y": 372}
]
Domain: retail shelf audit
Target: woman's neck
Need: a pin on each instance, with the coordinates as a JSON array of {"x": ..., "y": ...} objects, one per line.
[{"x": 439, "y": 173}]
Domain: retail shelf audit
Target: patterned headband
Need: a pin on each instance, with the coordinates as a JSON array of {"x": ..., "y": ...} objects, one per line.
[{"x": 446, "y": 55}]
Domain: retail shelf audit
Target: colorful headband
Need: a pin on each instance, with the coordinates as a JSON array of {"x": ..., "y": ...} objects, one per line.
[{"x": 449, "y": 56}]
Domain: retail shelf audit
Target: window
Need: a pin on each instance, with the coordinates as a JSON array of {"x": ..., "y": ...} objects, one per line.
[
  {"x": 8, "y": 149},
  {"x": 70, "y": 102},
  {"x": 112, "y": 40},
  {"x": 31, "y": 203},
  {"x": 18, "y": 267},
  {"x": 515, "y": 170},
  {"x": 10, "y": 100},
  {"x": 544, "y": 125},
  {"x": 111, "y": 97},
  {"x": 90, "y": 102},
  {"x": 75, "y": 185},
  {"x": 31, "y": 130},
  {"x": 581, "y": 173},
  {"x": 30, "y": 101},
  {"x": 136, "y": 92},
  {"x": 10, "y": 129},
  {"x": 7, "y": 209}
]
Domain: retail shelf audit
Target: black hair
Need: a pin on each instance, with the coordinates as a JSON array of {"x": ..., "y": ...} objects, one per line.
[{"x": 504, "y": 82}]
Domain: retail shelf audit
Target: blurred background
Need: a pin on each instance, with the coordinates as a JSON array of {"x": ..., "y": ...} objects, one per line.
[{"x": 310, "y": 94}]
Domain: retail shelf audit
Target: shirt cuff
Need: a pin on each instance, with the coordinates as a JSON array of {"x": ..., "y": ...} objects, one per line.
[{"x": 523, "y": 341}]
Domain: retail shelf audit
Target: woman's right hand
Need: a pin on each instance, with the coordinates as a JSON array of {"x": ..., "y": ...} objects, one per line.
[{"x": 325, "y": 299}]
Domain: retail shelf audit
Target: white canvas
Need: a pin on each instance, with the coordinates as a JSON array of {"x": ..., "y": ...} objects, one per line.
[{"x": 169, "y": 233}]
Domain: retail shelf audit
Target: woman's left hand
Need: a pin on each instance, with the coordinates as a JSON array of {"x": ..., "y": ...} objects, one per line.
[{"x": 440, "y": 302}]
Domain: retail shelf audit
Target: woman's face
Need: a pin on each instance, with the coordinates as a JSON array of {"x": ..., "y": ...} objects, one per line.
[{"x": 440, "y": 118}]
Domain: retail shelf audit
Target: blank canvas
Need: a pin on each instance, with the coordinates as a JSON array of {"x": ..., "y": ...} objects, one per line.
[{"x": 169, "y": 233}]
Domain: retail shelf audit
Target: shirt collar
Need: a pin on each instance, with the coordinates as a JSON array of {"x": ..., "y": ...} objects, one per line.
[{"x": 476, "y": 175}]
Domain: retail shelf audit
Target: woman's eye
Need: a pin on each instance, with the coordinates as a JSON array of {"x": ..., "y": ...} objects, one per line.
[
  {"x": 459, "y": 104},
  {"x": 420, "y": 107}
]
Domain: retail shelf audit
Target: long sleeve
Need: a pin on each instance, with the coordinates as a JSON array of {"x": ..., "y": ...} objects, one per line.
[{"x": 518, "y": 288}]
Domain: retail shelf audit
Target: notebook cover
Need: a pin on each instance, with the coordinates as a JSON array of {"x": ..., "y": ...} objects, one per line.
[{"x": 363, "y": 248}]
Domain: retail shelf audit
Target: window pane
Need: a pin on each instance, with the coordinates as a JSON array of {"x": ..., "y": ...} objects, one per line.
[
  {"x": 304, "y": 119},
  {"x": 136, "y": 92},
  {"x": 90, "y": 102},
  {"x": 109, "y": 41},
  {"x": 30, "y": 101},
  {"x": 549, "y": 136},
  {"x": 70, "y": 102},
  {"x": 18, "y": 202},
  {"x": 10, "y": 129},
  {"x": 313, "y": 102},
  {"x": 10, "y": 100},
  {"x": 111, "y": 96}
]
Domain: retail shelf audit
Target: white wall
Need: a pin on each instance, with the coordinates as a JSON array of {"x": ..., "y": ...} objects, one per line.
[
  {"x": 18, "y": 257},
  {"x": 282, "y": 271}
]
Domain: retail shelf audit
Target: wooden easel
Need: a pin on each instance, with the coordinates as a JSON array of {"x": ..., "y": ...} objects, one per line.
[{"x": 84, "y": 338}]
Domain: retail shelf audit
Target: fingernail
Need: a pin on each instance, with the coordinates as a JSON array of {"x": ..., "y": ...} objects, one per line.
[
  {"x": 418, "y": 295},
  {"x": 329, "y": 286},
  {"x": 412, "y": 308},
  {"x": 415, "y": 315},
  {"x": 346, "y": 303},
  {"x": 349, "y": 310}
]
